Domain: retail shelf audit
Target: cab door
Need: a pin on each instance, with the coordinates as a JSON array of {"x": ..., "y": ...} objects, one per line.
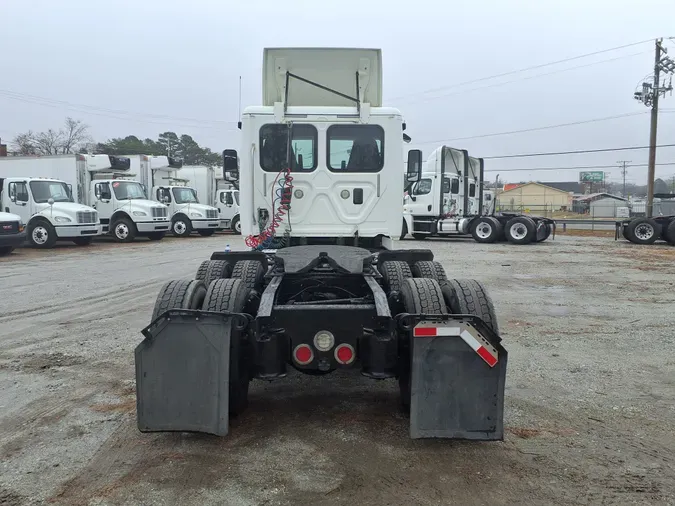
[{"x": 19, "y": 201}]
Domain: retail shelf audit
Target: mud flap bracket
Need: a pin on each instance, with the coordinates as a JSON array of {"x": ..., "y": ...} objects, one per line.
[
  {"x": 458, "y": 374},
  {"x": 182, "y": 371}
]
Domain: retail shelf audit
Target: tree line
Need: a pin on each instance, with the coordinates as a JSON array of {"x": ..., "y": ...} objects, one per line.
[{"x": 74, "y": 137}]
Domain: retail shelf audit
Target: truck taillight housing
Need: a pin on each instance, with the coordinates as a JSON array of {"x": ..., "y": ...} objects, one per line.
[
  {"x": 303, "y": 354},
  {"x": 345, "y": 354}
]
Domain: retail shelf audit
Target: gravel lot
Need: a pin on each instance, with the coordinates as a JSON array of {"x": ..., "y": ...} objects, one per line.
[{"x": 590, "y": 405}]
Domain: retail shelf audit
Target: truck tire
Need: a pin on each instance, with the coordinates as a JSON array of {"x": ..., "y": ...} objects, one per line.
[
  {"x": 201, "y": 271},
  {"x": 468, "y": 296},
  {"x": 643, "y": 231},
  {"x": 156, "y": 236},
  {"x": 181, "y": 226},
  {"x": 123, "y": 230},
  {"x": 420, "y": 237},
  {"x": 251, "y": 273},
  {"x": 486, "y": 230},
  {"x": 670, "y": 233},
  {"x": 520, "y": 230},
  {"x": 394, "y": 273},
  {"x": 6, "y": 250},
  {"x": 231, "y": 295},
  {"x": 179, "y": 294},
  {"x": 216, "y": 269},
  {"x": 41, "y": 234},
  {"x": 83, "y": 241},
  {"x": 419, "y": 295},
  {"x": 235, "y": 226},
  {"x": 429, "y": 269},
  {"x": 206, "y": 233}
]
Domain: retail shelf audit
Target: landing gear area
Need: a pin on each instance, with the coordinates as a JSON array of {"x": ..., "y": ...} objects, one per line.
[
  {"x": 647, "y": 230},
  {"x": 391, "y": 315}
]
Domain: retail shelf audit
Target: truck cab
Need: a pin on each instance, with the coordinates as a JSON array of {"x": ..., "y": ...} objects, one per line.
[
  {"x": 187, "y": 214},
  {"x": 12, "y": 232},
  {"x": 48, "y": 209},
  {"x": 228, "y": 209}
]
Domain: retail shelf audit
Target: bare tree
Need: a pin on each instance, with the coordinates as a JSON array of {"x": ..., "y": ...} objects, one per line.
[{"x": 67, "y": 140}]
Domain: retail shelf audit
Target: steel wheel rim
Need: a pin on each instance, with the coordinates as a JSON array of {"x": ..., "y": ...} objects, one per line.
[
  {"x": 179, "y": 227},
  {"x": 122, "y": 231},
  {"x": 644, "y": 231},
  {"x": 237, "y": 226},
  {"x": 484, "y": 230},
  {"x": 40, "y": 235},
  {"x": 518, "y": 231}
]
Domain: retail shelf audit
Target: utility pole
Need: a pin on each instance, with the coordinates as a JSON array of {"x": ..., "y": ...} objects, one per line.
[
  {"x": 650, "y": 97},
  {"x": 623, "y": 173}
]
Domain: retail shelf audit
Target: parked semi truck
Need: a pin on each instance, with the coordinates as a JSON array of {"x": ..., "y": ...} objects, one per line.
[
  {"x": 448, "y": 200},
  {"x": 645, "y": 230},
  {"x": 214, "y": 190},
  {"x": 12, "y": 232},
  {"x": 40, "y": 191},
  {"x": 322, "y": 286},
  {"x": 188, "y": 214}
]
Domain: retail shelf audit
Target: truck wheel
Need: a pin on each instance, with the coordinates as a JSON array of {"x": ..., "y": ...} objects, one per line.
[
  {"x": 179, "y": 294},
  {"x": 231, "y": 295},
  {"x": 41, "y": 234},
  {"x": 206, "y": 233},
  {"x": 670, "y": 233},
  {"x": 123, "y": 230},
  {"x": 83, "y": 241},
  {"x": 201, "y": 271},
  {"x": 468, "y": 296},
  {"x": 156, "y": 236},
  {"x": 429, "y": 269},
  {"x": 643, "y": 231},
  {"x": 486, "y": 230},
  {"x": 251, "y": 273},
  {"x": 520, "y": 230},
  {"x": 236, "y": 225},
  {"x": 216, "y": 269},
  {"x": 394, "y": 273},
  {"x": 419, "y": 296},
  {"x": 6, "y": 250},
  {"x": 420, "y": 237},
  {"x": 181, "y": 227}
]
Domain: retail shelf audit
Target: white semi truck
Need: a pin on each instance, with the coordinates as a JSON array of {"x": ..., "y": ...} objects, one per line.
[
  {"x": 213, "y": 190},
  {"x": 322, "y": 287},
  {"x": 40, "y": 191},
  {"x": 187, "y": 212},
  {"x": 448, "y": 200}
]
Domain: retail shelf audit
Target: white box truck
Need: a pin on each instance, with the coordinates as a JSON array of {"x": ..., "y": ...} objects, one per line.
[
  {"x": 100, "y": 182},
  {"x": 188, "y": 213},
  {"x": 212, "y": 189}
]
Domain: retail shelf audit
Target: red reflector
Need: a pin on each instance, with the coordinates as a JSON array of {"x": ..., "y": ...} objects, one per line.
[
  {"x": 303, "y": 354},
  {"x": 485, "y": 355},
  {"x": 424, "y": 331},
  {"x": 344, "y": 354}
]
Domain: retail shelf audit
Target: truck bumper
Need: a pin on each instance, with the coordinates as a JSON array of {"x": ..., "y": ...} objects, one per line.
[
  {"x": 12, "y": 240},
  {"x": 70, "y": 231},
  {"x": 205, "y": 224},
  {"x": 145, "y": 227}
]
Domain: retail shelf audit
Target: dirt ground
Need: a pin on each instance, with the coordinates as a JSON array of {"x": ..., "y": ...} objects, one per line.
[{"x": 589, "y": 409}]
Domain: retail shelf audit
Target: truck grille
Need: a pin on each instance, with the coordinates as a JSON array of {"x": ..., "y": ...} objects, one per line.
[
  {"x": 211, "y": 213},
  {"x": 159, "y": 212},
  {"x": 11, "y": 227},
  {"x": 87, "y": 217}
]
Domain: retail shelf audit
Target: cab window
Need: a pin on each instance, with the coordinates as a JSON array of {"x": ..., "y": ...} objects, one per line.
[
  {"x": 472, "y": 190},
  {"x": 163, "y": 193},
  {"x": 355, "y": 148},
  {"x": 274, "y": 154},
  {"x": 18, "y": 192},
  {"x": 423, "y": 187},
  {"x": 236, "y": 197}
]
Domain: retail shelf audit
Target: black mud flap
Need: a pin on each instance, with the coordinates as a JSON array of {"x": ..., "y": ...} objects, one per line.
[
  {"x": 458, "y": 379},
  {"x": 182, "y": 372}
]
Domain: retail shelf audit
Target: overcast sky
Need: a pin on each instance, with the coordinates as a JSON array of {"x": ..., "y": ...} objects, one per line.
[{"x": 147, "y": 66}]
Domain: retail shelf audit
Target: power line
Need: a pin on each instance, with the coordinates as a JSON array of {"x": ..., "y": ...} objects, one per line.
[
  {"x": 577, "y": 167},
  {"x": 560, "y": 125},
  {"x": 525, "y": 69},
  {"x": 604, "y": 150}
]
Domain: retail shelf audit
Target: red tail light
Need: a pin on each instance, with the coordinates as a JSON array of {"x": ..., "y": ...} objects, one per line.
[
  {"x": 303, "y": 354},
  {"x": 345, "y": 354}
]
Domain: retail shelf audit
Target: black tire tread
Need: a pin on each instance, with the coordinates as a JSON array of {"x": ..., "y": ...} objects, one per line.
[
  {"x": 670, "y": 233},
  {"x": 216, "y": 269},
  {"x": 201, "y": 271},
  {"x": 394, "y": 273},
  {"x": 630, "y": 230},
  {"x": 423, "y": 295},
  {"x": 468, "y": 296},
  {"x": 251, "y": 273},
  {"x": 175, "y": 294},
  {"x": 429, "y": 269},
  {"x": 531, "y": 230}
]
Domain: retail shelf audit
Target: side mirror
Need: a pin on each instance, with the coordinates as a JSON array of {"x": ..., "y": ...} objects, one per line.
[
  {"x": 50, "y": 201},
  {"x": 166, "y": 199},
  {"x": 12, "y": 197},
  {"x": 414, "y": 171},
  {"x": 230, "y": 161}
]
